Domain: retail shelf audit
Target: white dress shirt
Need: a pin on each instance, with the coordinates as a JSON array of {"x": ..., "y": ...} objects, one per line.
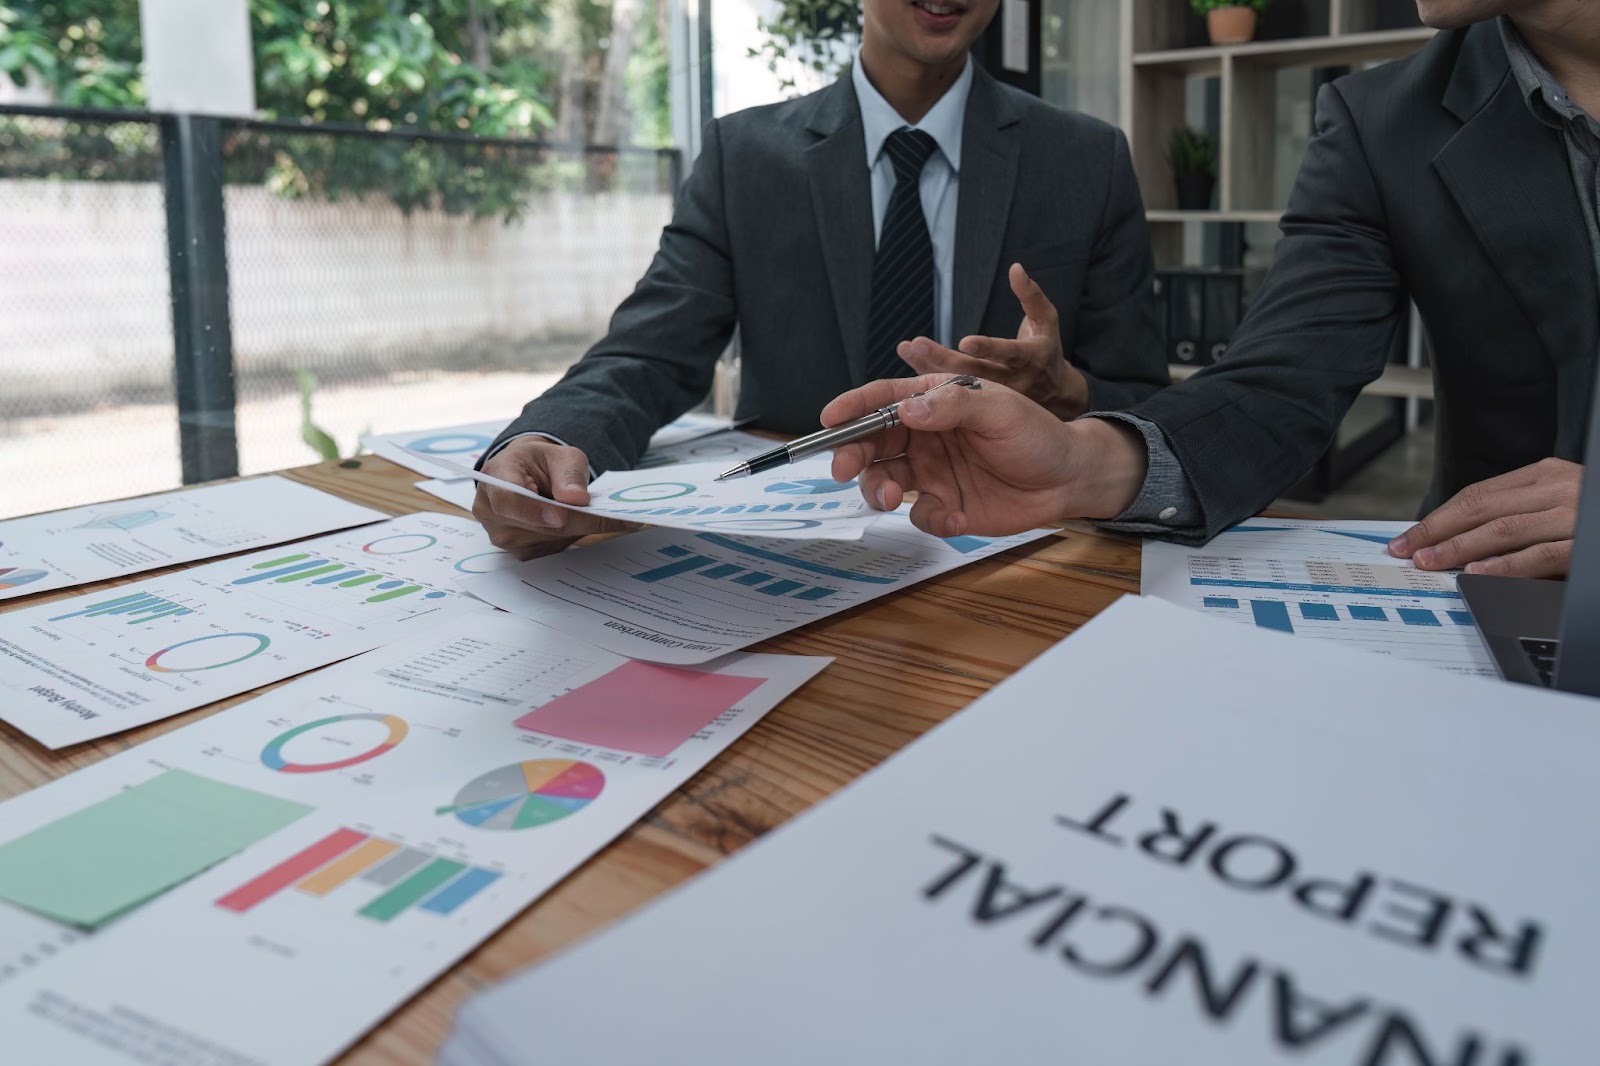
[{"x": 940, "y": 176}]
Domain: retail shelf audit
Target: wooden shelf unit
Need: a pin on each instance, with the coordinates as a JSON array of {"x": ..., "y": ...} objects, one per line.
[{"x": 1154, "y": 73}]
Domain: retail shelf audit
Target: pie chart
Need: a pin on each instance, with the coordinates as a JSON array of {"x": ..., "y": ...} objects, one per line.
[
  {"x": 526, "y": 795},
  {"x": 15, "y": 577},
  {"x": 810, "y": 486}
]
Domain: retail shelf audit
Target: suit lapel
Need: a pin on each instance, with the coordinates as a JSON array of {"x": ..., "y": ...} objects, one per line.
[
  {"x": 988, "y": 177},
  {"x": 841, "y": 201},
  {"x": 1549, "y": 268}
]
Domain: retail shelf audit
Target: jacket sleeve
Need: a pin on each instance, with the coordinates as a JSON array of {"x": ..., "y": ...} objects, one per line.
[
  {"x": 1322, "y": 327},
  {"x": 659, "y": 355},
  {"x": 1117, "y": 342}
]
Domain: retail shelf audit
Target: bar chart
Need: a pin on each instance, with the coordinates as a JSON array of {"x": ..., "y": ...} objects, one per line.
[
  {"x": 1282, "y": 615},
  {"x": 387, "y": 877},
  {"x": 134, "y": 608},
  {"x": 302, "y": 566}
]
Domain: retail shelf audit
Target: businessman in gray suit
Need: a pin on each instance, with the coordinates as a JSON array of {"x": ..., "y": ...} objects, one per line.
[
  {"x": 1465, "y": 178},
  {"x": 833, "y": 229}
]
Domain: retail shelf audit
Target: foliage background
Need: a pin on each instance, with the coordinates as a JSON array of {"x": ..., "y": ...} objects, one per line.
[{"x": 573, "y": 72}]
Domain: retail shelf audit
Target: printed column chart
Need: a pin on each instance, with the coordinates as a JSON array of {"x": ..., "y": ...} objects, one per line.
[{"x": 1325, "y": 581}]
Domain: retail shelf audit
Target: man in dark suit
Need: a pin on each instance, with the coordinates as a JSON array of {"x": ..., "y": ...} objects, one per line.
[
  {"x": 1464, "y": 178},
  {"x": 831, "y": 229}
]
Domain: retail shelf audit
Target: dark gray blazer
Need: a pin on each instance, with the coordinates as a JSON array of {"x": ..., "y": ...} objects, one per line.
[
  {"x": 772, "y": 234},
  {"x": 1427, "y": 178}
]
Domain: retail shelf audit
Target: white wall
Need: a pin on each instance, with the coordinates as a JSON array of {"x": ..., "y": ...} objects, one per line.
[{"x": 84, "y": 286}]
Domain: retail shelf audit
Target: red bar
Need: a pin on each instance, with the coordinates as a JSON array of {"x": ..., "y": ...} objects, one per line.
[{"x": 291, "y": 870}]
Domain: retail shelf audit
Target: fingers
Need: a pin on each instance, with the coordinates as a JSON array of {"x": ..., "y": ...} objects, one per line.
[
  {"x": 1548, "y": 559},
  {"x": 1551, "y": 484},
  {"x": 928, "y": 358},
  {"x": 883, "y": 484},
  {"x": 932, "y": 514},
  {"x": 1035, "y": 304},
  {"x": 1498, "y": 536},
  {"x": 876, "y": 394}
]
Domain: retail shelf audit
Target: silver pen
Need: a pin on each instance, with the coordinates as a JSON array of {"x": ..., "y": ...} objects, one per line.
[{"x": 823, "y": 440}]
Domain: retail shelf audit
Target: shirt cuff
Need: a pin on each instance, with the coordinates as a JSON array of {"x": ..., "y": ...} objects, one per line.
[
  {"x": 1166, "y": 502},
  {"x": 552, "y": 438}
]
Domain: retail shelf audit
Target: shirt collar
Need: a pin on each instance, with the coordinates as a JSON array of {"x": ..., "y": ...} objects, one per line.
[
  {"x": 1544, "y": 95},
  {"x": 943, "y": 121}
]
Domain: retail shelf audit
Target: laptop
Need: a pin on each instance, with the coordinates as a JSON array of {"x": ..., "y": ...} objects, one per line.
[{"x": 1548, "y": 632}]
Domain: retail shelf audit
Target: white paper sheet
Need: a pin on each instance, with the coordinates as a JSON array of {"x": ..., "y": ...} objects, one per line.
[
  {"x": 729, "y": 447},
  {"x": 117, "y": 539},
  {"x": 97, "y": 664},
  {"x": 464, "y": 445},
  {"x": 1152, "y": 845},
  {"x": 800, "y": 501},
  {"x": 671, "y": 598},
  {"x": 287, "y": 975},
  {"x": 1323, "y": 580}
]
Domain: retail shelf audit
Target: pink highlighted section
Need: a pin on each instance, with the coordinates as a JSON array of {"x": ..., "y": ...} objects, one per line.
[{"x": 638, "y": 707}]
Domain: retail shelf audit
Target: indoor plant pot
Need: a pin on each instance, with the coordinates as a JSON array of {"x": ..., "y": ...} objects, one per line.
[
  {"x": 1231, "y": 25},
  {"x": 1192, "y": 154}
]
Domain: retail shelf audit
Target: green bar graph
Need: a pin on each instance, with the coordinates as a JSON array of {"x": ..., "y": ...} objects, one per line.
[
  {"x": 369, "y": 579},
  {"x": 394, "y": 594},
  {"x": 395, "y": 901},
  {"x": 316, "y": 571},
  {"x": 280, "y": 562}
]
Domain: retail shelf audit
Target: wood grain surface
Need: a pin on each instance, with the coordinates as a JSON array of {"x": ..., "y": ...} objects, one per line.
[{"x": 903, "y": 663}]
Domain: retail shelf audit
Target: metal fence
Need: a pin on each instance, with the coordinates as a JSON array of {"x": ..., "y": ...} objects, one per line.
[{"x": 166, "y": 281}]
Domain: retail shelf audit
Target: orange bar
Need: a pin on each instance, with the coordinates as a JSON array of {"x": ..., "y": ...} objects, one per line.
[{"x": 350, "y": 865}]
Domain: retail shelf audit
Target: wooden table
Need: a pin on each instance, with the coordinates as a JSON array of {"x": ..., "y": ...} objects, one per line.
[{"x": 903, "y": 664}]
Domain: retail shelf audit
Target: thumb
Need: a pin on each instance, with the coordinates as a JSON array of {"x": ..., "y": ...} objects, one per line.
[
  {"x": 567, "y": 471},
  {"x": 980, "y": 410},
  {"x": 1035, "y": 304}
]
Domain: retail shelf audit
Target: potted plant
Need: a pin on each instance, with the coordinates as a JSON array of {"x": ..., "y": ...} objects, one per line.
[
  {"x": 1229, "y": 21},
  {"x": 1192, "y": 155}
]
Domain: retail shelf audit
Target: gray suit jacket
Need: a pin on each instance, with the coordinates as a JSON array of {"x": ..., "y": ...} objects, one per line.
[
  {"x": 1428, "y": 179},
  {"x": 772, "y": 234}
]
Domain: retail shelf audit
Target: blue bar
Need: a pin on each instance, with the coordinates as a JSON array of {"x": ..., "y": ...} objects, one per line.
[
  {"x": 682, "y": 566},
  {"x": 268, "y": 575},
  {"x": 968, "y": 545},
  {"x": 793, "y": 560},
  {"x": 784, "y": 507},
  {"x": 1318, "y": 612},
  {"x": 758, "y": 508},
  {"x": 686, "y": 510},
  {"x": 1270, "y": 614},
  {"x": 806, "y": 507},
  {"x": 724, "y": 570},
  {"x": 733, "y": 510},
  {"x": 163, "y": 614},
  {"x": 333, "y": 579},
  {"x": 709, "y": 510},
  {"x": 816, "y": 594},
  {"x": 830, "y": 505},
  {"x": 1368, "y": 614},
  {"x": 1220, "y": 601},
  {"x": 1411, "y": 616},
  {"x": 675, "y": 551},
  {"x": 779, "y": 588},
  {"x": 457, "y": 892},
  {"x": 752, "y": 578},
  {"x": 1460, "y": 618}
]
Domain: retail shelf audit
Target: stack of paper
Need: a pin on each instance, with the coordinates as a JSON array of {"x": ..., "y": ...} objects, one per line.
[{"x": 1169, "y": 840}]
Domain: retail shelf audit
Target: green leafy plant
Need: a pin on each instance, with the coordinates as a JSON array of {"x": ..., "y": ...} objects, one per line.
[
  {"x": 1192, "y": 151},
  {"x": 316, "y": 438},
  {"x": 819, "y": 34},
  {"x": 1202, "y": 6}
]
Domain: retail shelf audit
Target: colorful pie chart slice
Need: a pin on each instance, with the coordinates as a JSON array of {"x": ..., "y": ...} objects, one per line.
[
  {"x": 13, "y": 577},
  {"x": 528, "y": 794}
]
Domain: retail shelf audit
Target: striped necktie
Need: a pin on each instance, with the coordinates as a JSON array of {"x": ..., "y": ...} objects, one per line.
[{"x": 902, "y": 272}]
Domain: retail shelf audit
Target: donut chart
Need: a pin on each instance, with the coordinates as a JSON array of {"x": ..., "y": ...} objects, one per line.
[
  {"x": 408, "y": 542},
  {"x": 272, "y": 756},
  {"x": 653, "y": 492},
  {"x": 526, "y": 795},
  {"x": 253, "y": 643},
  {"x": 809, "y": 486},
  {"x": 449, "y": 444}
]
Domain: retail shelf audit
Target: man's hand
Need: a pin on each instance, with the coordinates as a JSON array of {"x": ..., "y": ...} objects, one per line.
[
  {"x": 527, "y": 528},
  {"x": 1516, "y": 525},
  {"x": 987, "y": 461},
  {"x": 1033, "y": 364}
]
